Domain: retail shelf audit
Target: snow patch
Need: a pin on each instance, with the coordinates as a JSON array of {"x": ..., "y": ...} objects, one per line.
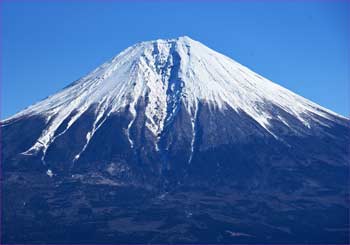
[{"x": 49, "y": 173}]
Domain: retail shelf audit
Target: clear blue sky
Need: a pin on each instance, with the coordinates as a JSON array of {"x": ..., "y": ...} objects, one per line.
[{"x": 304, "y": 46}]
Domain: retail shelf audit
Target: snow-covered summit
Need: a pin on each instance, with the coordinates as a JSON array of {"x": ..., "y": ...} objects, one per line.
[{"x": 170, "y": 73}]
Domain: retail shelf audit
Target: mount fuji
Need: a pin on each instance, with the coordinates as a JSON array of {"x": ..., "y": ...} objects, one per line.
[{"x": 173, "y": 142}]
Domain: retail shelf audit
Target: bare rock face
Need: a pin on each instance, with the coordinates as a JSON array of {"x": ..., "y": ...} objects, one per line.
[{"x": 172, "y": 142}]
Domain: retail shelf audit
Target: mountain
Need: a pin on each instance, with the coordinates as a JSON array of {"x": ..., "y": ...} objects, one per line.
[{"x": 172, "y": 142}]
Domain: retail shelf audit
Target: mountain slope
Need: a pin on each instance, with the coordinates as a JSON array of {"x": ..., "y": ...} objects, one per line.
[{"x": 181, "y": 124}]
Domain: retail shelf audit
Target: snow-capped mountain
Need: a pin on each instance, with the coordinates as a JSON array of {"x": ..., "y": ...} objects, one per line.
[
  {"x": 170, "y": 113},
  {"x": 170, "y": 74}
]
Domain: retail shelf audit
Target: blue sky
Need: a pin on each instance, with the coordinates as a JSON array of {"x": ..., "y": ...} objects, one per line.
[{"x": 303, "y": 46}]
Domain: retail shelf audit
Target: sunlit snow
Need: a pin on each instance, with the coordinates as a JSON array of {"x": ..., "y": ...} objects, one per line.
[{"x": 146, "y": 70}]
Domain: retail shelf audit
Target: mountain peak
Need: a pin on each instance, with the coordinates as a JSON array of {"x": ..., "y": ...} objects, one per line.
[
  {"x": 181, "y": 39},
  {"x": 187, "y": 40},
  {"x": 167, "y": 75}
]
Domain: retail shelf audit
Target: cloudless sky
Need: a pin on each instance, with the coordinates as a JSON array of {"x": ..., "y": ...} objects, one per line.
[{"x": 301, "y": 45}]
